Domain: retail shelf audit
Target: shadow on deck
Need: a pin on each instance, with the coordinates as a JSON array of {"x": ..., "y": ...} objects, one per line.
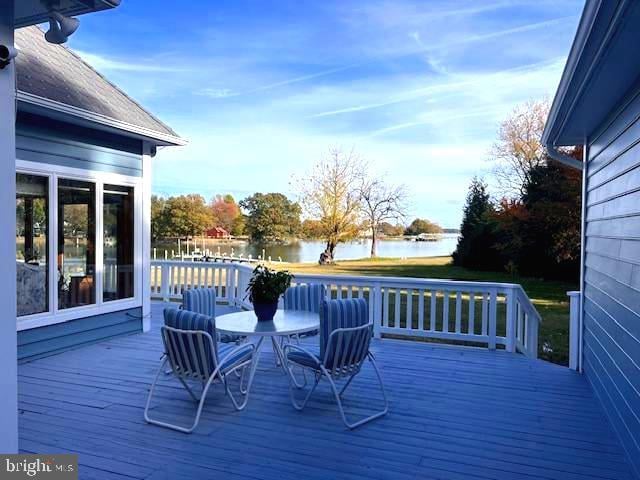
[{"x": 455, "y": 413}]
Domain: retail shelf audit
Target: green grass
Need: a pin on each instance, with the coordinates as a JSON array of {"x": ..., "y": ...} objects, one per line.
[{"x": 549, "y": 297}]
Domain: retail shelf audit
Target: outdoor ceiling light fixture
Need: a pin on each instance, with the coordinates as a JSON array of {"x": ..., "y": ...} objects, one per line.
[{"x": 60, "y": 27}]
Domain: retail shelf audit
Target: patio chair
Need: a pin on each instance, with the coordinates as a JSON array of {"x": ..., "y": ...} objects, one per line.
[
  {"x": 193, "y": 354},
  {"x": 305, "y": 297},
  {"x": 203, "y": 301},
  {"x": 345, "y": 335}
]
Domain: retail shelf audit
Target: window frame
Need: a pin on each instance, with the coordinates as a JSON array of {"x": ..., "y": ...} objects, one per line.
[{"x": 55, "y": 315}]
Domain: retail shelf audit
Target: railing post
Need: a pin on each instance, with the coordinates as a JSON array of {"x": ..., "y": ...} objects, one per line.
[
  {"x": 511, "y": 320},
  {"x": 574, "y": 330},
  {"x": 231, "y": 284},
  {"x": 532, "y": 337},
  {"x": 377, "y": 310},
  {"x": 493, "y": 315},
  {"x": 165, "y": 281}
]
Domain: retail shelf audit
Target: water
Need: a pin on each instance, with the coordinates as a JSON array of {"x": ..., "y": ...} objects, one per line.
[{"x": 309, "y": 250}]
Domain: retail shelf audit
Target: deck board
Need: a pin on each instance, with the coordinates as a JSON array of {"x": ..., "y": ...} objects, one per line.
[{"x": 456, "y": 413}]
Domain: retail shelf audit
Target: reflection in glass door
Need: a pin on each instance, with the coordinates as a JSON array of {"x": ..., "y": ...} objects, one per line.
[
  {"x": 118, "y": 248},
  {"x": 32, "y": 251},
  {"x": 76, "y": 243}
]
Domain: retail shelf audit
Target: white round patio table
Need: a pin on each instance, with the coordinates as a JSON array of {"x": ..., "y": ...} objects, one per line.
[{"x": 285, "y": 324}]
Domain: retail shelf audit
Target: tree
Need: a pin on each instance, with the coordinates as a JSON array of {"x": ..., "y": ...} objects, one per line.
[
  {"x": 237, "y": 228},
  {"x": 540, "y": 234},
  {"x": 183, "y": 216},
  {"x": 226, "y": 212},
  {"x": 519, "y": 149},
  {"x": 389, "y": 230},
  {"x": 311, "y": 229},
  {"x": 331, "y": 193},
  {"x": 159, "y": 218},
  {"x": 380, "y": 203},
  {"x": 422, "y": 225},
  {"x": 271, "y": 217},
  {"x": 478, "y": 238}
]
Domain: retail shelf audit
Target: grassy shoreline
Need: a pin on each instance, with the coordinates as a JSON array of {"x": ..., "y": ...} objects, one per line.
[{"x": 549, "y": 297}]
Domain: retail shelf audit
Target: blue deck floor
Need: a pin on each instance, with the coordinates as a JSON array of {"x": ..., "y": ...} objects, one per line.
[{"x": 456, "y": 413}]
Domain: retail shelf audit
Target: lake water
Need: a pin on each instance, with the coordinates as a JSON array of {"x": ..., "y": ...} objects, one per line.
[{"x": 309, "y": 250}]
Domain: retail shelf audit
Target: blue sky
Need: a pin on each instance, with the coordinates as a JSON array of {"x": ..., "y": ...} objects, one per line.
[{"x": 263, "y": 88}]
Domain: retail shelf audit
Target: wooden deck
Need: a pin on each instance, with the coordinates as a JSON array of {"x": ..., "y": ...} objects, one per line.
[{"x": 456, "y": 413}]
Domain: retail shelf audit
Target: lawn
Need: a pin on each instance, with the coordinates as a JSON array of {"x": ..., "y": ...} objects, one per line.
[{"x": 549, "y": 297}]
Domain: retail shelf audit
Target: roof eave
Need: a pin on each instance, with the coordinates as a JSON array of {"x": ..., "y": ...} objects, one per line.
[
  {"x": 554, "y": 121},
  {"x": 40, "y": 105},
  {"x": 81, "y": 8},
  {"x": 598, "y": 78}
]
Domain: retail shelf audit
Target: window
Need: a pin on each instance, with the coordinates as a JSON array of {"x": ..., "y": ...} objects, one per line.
[
  {"x": 76, "y": 243},
  {"x": 118, "y": 242},
  {"x": 32, "y": 233}
]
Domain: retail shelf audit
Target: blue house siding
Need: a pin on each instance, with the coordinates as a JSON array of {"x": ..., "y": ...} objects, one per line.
[
  {"x": 48, "y": 141},
  {"x": 612, "y": 272},
  {"x": 52, "y": 339}
]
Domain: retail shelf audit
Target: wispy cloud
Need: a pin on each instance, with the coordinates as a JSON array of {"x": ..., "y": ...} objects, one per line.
[
  {"x": 100, "y": 62},
  {"x": 417, "y": 87},
  {"x": 452, "y": 84},
  {"x": 225, "y": 93}
]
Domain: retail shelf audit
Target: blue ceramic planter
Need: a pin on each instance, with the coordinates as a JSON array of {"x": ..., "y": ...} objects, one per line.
[{"x": 265, "y": 311}]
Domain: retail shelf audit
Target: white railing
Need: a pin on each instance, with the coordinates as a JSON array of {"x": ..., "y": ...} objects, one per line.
[{"x": 483, "y": 313}]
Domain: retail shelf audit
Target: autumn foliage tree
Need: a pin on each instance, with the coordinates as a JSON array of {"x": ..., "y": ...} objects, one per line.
[
  {"x": 518, "y": 149},
  {"x": 535, "y": 228},
  {"x": 331, "y": 194},
  {"x": 226, "y": 214}
]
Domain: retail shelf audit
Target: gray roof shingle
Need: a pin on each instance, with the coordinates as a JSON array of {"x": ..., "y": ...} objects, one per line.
[{"x": 56, "y": 73}]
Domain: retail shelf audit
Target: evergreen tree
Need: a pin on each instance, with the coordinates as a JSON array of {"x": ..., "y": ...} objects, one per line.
[{"x": 476, "y": 245}]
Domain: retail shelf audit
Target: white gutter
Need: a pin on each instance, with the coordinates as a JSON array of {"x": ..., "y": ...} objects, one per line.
[{"x": 563, "y": 158}]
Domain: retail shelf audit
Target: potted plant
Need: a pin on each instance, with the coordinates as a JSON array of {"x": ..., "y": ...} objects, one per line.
[{"x": 264, "y": 290}]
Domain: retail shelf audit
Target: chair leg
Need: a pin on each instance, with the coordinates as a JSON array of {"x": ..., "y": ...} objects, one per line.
[
  {"x": 172, "y": 426},
  {"x": 292, "y": 384},
  {"x": 337, "y": 395},
  {"x": 253, "y": 366}
]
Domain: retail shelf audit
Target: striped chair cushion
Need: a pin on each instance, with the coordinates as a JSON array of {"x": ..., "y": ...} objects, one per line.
[
  {"x": 305, "y": 297},
  {"x": 345, "y": 313},
  {"x": 200, "y": 300},
  {"x": 303, "y": 359},
  {"x": 187, "y": 320},
  {"x": 203, "y": 301}
]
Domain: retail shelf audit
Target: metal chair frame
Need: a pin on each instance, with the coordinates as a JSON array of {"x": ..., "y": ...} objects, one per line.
[
  {"x": 189, "y": 361},
  {"x": 346, "y": 351}
]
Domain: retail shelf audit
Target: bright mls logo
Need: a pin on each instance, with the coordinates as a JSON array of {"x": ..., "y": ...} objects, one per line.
[{"x": 51, "y": 467}]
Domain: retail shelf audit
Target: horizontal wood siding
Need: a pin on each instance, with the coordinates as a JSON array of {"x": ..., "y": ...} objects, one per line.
[
  {"x": 612, "y": 274},
  {"x": 48, "y": 141},
  {"x": 52, "y": 339}
]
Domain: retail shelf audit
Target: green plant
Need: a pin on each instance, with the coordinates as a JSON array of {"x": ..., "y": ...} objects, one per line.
[{"x": 266, "y": 285}]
